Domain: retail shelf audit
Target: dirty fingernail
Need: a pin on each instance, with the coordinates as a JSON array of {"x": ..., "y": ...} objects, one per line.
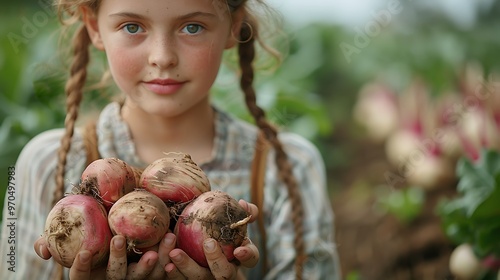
[
  {"x": 240, "y": 254},
  {"x": 209, "y": 245}
]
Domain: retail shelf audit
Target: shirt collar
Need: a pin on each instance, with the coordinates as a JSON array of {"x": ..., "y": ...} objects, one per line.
[{"x": 115, "y": 140}]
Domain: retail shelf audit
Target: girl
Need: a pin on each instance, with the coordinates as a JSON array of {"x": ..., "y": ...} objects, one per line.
[{"x": 164, "y": 55}]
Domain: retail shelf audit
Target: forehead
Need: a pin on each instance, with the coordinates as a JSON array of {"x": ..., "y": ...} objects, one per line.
[{"x": 164, "y": 7}]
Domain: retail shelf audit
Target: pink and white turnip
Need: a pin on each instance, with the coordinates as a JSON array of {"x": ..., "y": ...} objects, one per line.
[
  {"x": 464, "y": 264},
  {"x": 111, "y": 178},
  {"x": 175, "y": 179},
  {"x": 377, "y": 110},
  {"x": 213, "y": 214},
  {"x": 77, "y": 222},
  {"x": 141, "y": 217}
]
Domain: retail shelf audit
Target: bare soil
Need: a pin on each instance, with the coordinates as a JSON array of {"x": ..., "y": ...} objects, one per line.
[{"x": 375, "y": 244}]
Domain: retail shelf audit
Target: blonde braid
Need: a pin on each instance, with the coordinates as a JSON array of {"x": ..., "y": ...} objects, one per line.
[
  {"x": 74, "y": 92},
  {"x": 246, "y": 53}
]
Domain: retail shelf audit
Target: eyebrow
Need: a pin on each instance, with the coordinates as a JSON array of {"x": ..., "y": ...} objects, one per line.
[
  {"x": 183, "y": 17},
  {"x": 127, "y": 15},
  {"x": 196, "y": 14}
]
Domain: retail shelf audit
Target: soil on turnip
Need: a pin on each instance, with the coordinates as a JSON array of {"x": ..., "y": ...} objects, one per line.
[
  {"x": 63, "y": 227},
  {"x": 88, "y": 187},
  {"x": 219, "y": 223},
  {"x": 141, "y": 217},
  {"x": 376, "y": 245}
]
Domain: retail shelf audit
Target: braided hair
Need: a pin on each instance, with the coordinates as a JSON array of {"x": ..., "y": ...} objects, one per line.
[
  {"x": 246, "y": 52},
  {"x": 74, "y": 92},
  {"x": 68, "y": 15}
]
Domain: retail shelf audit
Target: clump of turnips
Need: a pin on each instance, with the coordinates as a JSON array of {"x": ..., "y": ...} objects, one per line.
[{"x": 114, "y": 198}]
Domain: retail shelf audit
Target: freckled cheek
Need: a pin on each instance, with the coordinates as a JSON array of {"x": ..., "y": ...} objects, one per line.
[
  {"x": 125, "y": 66},
  {"x": 205, "y": 61}
]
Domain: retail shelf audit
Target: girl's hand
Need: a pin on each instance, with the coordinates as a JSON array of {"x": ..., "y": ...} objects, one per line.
[
  {"x": 162, "y": 258},
  {"x": 150, "y": 266},
  {"x": 183, "y": 267}
]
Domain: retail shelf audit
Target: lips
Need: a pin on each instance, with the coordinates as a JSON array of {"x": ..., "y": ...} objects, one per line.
[{"x": 163, "y": 86}]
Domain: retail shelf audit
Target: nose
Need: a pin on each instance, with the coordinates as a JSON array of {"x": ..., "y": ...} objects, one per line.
[{"x": 163, "y": 53}]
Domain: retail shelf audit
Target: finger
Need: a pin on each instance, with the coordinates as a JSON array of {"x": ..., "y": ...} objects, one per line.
[
  {"x": 165, "y": 246},
  {"x": 173, "y": 273},
  {"x": 117, "y": 264},
  {"x": 247, "y": 254},
  {"x": 41, "y": 249},
  {"x": 81, "y": 266},
  {"x": 220, "y": 267},
  {"x": 187, "y": 266},
  {"x": 250, "y": 208},
  {"x": 143, "y": 268}
]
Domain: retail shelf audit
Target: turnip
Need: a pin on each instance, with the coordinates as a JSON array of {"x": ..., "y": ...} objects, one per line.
[
  {"x": 78, "y": 222},
  {"x": 175, "y": 179},
  {"x": 401, "y": 145},
  {"x": 430, "y": 171},
  {"x": 141, "y": 217},
  {"x": 111, "y": 178},
  {"x": 213, "y": 214},
  {"x": 464, "y": 264},
  {"x": 414, "y": 120},
  {"x": 480, "y": 129},
  {"x": 447, "y": 117},
  {"x": 377, "y": 110}
]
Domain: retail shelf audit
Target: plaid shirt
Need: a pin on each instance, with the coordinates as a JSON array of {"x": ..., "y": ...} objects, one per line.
[{"x": 228, "y": 170}]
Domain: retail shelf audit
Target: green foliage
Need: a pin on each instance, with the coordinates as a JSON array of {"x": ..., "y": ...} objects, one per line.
[
  {"x": 25, "y": 109},
  {"x": 423, "y": 43},
  {"x": 473, "y": 217},
  {"x": 354, "y": 275},
  {"x": 286, "y": 92},
  {"x": 406, "y": 204}
]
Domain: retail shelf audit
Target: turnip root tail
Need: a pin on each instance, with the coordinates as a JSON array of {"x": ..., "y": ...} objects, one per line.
[{"x": 240, "y": 223}]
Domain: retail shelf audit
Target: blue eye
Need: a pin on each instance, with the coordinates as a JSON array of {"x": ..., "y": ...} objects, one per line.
[
  {"x": 132, "y": 28},
  {"x": 192, "y": 28}
]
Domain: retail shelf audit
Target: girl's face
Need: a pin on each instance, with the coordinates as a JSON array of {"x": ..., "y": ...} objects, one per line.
[{"x": 163, "y": 54}]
